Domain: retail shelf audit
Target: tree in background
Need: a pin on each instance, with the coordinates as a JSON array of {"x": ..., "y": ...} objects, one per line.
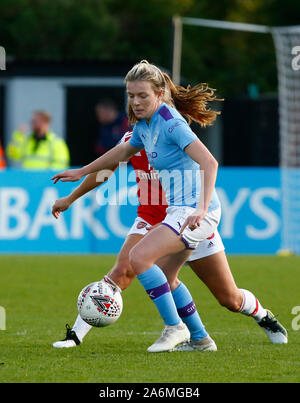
[{"x": 134, "y": 30}]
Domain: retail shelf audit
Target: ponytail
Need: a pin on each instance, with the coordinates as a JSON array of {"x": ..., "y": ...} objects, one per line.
[{"x": 191, "y": 102}]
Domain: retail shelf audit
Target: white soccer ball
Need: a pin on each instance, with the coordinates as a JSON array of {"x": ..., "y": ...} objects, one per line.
[{"x": 99, "y": 304}]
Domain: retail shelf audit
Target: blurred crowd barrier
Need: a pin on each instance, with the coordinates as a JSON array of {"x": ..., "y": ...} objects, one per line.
[{"x": 99, "y": 221}]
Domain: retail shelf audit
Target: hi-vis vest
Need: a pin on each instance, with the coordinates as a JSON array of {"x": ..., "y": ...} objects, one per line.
[
  {"x": 49, "y": 153},
  {"x": 2, "y": 159}
]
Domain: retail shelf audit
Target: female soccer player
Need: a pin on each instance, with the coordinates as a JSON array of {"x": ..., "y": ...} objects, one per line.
[
  {"x": 151, "y": 211},
  {"x": 172, "y": 148}
]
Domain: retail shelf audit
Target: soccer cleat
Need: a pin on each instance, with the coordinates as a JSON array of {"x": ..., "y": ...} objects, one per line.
[
  {"x": 170, "y": 338},
  {"x": 205, "y": 344},
  {"x": 274, "y": 330},
  {"x": 71, "y": 340}
]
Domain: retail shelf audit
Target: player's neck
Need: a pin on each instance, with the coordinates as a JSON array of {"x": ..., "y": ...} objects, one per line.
[{"x": 148, "y": 120}]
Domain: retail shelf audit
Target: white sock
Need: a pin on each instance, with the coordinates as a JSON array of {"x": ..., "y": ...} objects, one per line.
[
  {"x": 251, "y": 306},
  {"x": 81, "y": 328}
]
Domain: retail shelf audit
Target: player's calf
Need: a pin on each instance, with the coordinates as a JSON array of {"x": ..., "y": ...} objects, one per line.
[
  {"x": 232, "y": 302},
  {"x": 121, "y": 275}
]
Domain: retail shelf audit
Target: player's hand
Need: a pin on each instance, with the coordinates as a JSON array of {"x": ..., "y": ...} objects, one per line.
[
  {"x": 60, "y": 205},
  {"x": 71, "y": 175},
  {"x": 193, "y": 221}
]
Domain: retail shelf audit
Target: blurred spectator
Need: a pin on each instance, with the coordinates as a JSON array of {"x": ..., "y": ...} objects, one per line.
[
  {"x": 112, "y": 126},
  {"x": 2, "y": 159},
  {"x": 41, "y": 149}
]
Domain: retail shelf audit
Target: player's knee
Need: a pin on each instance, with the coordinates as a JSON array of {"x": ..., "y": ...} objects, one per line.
[{"x": 136, "y": 260}]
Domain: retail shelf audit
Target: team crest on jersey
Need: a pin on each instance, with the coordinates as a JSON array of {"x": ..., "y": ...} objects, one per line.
[{"x": 141, "y": 224}]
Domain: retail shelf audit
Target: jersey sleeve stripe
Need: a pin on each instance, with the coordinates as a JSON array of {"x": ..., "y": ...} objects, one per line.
[{"x": 165, "y": 113}]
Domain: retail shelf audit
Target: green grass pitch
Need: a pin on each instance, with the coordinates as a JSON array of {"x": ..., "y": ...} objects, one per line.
[{"x": 39, "y": 296}]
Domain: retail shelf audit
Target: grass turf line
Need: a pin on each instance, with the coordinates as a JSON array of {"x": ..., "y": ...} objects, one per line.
[{"x": 39, "y": 295}]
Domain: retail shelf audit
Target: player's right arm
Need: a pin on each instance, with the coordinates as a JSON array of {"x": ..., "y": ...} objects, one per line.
[{"x": 121, "y": 152}]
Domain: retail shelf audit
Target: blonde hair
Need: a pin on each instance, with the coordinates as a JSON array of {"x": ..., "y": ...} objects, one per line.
[{"x": 191, "y": 102}]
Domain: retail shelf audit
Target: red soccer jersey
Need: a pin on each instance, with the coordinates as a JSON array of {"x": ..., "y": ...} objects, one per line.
[{"x": 152, "y": 207}]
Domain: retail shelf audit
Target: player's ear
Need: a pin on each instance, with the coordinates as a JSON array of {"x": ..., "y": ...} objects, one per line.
[{"x": 160, "y": 94}]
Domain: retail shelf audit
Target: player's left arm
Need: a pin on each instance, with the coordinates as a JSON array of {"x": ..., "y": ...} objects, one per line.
[
  {"x": 209, "y": 168},
  {"x": 180, "y": 133}
]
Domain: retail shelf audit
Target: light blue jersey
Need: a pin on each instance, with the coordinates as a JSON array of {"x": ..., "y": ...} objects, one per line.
[{"x": 164, "y": 140}]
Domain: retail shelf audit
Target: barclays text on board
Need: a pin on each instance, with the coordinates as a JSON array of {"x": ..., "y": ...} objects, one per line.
[{"x": 250, "y": 223}]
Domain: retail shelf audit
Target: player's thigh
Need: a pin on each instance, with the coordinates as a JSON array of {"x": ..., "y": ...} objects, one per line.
[
  {"x": 159, "y": 242},
  {"x": 215, "y": 272}
]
